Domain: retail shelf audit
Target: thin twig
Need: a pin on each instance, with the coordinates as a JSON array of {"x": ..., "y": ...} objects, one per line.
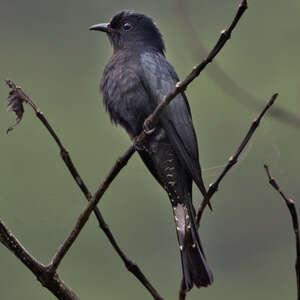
[
  {"x": 182, "y": 85},
  {"x": 231, "y": 162},
  {"x": 234, "y": 159},
  {"x": 293, "y": 212},
  {"x": 49, "y": 280},
  {"x": 223, "y": 79},
  {"x": 119, "y": 164}
]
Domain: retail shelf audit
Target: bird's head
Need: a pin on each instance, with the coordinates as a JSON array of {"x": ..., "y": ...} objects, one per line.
[{"x": 129, "y": 29}]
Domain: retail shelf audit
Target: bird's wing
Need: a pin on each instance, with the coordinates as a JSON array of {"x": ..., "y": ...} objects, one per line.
[{"x": 159, "y": 78}]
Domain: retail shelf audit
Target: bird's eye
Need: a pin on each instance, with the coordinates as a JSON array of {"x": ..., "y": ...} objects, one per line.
[{"x": 127, "y": 26}]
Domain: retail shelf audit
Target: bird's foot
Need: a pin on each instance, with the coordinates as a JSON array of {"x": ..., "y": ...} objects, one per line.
[{"x": 148, "y": 127}]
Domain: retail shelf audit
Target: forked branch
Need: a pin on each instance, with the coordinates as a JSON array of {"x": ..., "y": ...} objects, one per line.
[
  {"x": 234, "y": 159},
  {"x": 49, "y": 280}
]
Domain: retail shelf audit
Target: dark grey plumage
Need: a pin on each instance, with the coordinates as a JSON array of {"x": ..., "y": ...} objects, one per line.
[{"x": 134, "y": 82}]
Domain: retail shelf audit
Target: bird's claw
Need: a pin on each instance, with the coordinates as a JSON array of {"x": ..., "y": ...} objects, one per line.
[
  {"x": 149, "y": 132},
  {"x": 148, "y": 128}
]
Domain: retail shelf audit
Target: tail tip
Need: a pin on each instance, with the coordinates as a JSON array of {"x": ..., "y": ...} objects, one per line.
[{"x": 204, "y": 281}]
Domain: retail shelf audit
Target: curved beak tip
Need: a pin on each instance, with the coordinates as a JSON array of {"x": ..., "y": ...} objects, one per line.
[{"x": 104, "y": 27}]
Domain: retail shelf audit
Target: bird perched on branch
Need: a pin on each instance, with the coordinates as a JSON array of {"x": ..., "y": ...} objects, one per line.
[{"x": 135, "y": 80}]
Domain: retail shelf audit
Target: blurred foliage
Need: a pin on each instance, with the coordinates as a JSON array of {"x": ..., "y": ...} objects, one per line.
[{"x": 46, "y": 47}]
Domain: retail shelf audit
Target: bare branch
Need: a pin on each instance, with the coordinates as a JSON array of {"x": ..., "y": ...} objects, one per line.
[
  {"x": 293, "y": 212},
  {"x": 49, "y": 280},
  {"x": 22, "y": 97},
  {"x": 223, "y": 79},
  {"x": 182, "y": 85},
  {"x": 120, "y": 163},
  {"x": 234, "y": 159},
  {"x": 231, "y": 162}
]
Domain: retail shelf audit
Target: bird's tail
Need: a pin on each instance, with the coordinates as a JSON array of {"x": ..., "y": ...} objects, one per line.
[{"x": 194, "y": 266}]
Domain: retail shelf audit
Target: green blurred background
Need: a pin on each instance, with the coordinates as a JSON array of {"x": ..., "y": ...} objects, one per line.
[{"x": 46, "y": 47}]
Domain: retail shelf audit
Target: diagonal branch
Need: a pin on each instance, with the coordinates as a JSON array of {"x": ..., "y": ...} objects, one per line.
[
  {"x": 49, "y": 280},
  {"x": 120, "y": 163},
  {"x": 182, "y": 85},
  {"x": 234, "y": 159},
  {"x": 293, "y": 212}
]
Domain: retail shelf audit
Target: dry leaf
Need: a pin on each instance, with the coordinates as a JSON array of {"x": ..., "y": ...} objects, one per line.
[{"x": 15, "y": 103}]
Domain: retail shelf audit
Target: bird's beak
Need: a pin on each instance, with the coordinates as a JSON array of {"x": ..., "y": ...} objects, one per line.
[{"x": 101, "y": 27}]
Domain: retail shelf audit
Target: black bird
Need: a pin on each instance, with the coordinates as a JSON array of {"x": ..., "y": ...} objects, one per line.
[{"x": 133, "y": 84}]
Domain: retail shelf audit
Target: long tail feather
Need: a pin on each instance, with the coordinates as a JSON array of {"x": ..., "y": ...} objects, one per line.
[{"x": 194, "y": 265}]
